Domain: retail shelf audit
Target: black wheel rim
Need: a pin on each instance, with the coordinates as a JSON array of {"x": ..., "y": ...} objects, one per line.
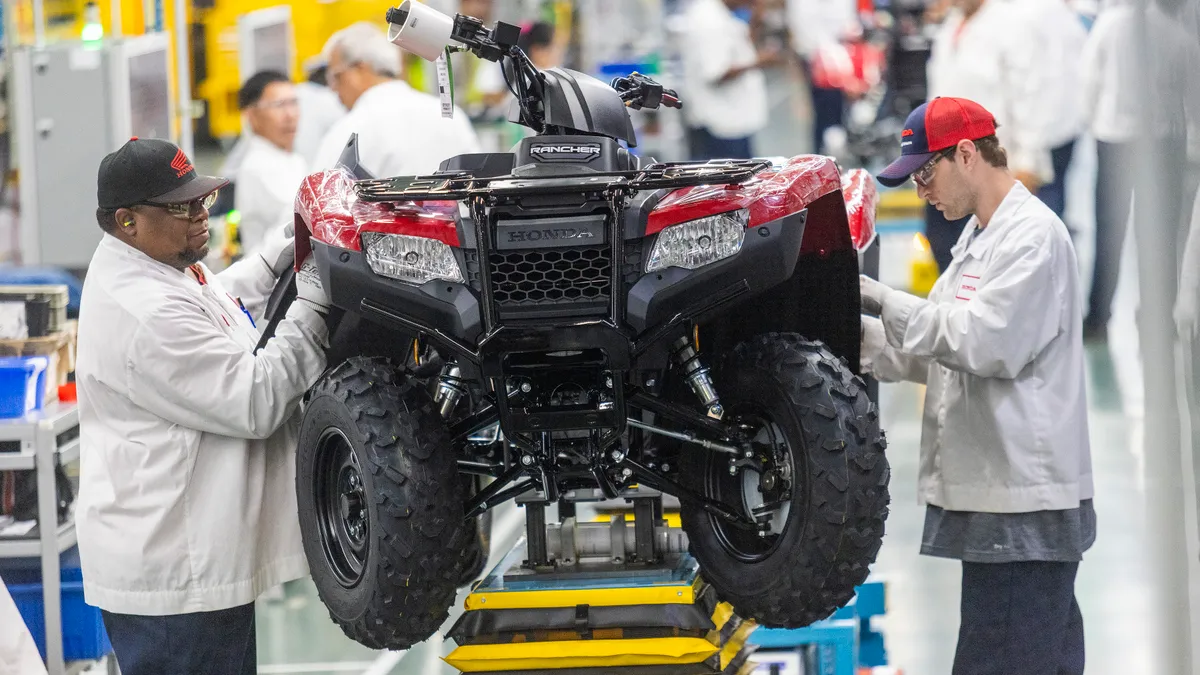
[
  {"x": 342, "y": 516},
  {"x": 750, "y": 489}
]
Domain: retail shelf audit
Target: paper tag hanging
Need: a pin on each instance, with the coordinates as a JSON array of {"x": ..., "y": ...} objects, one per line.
[{"x": 445, "y": 84}]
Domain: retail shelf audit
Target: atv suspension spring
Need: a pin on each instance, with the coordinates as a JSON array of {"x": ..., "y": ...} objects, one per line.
[
  {"x": 697, "y": 377},
  {"x": 451, "y": 388}
]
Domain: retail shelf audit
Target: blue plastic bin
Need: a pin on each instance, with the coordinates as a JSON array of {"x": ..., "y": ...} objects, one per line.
[
  {"x": 84, "y": 637},
  {"x": 22, "y": 384}
]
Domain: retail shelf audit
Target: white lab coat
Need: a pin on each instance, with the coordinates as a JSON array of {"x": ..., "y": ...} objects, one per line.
[
  {"x": 187, "y": 497},
  {"x": 1061, "y": 37},
  {"x": 266, "y": 190},
  {"x": 714, "y": 40},
  {"x": 992, "y": 60},
  {"x": 817, "y": 24},
  {"x": 320, "y": 109},
  {"x": 999, "y": 343},
  {"x": 1112, "y": 79},
  {"x": 401, "y": 132},
  {"x": 18, "y": 652}
]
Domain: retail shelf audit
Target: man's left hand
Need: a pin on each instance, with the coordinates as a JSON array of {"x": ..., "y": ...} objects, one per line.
[
  {"x": 279, "y": 248},
  {"x": 873, "y": 294}
]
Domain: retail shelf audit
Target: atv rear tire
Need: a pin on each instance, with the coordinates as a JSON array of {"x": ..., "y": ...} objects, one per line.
[
  {"x": 380, "y": 504},
  {"x": 817, "y": 426}
]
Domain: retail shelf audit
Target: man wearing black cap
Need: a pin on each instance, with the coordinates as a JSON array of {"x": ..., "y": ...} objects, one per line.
[
  {"x": 187, "y": 507},
  {"x": 1005, "y": 466}
]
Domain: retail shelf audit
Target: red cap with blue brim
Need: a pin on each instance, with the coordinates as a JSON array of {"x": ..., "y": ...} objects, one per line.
[{"x": 932, "y": 127}]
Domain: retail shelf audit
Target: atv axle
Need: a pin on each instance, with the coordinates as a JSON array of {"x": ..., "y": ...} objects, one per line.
[{"x": 685, "y": 436}]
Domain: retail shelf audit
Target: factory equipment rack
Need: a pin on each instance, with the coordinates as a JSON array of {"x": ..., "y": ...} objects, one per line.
[{"x": 47, "y": 438}]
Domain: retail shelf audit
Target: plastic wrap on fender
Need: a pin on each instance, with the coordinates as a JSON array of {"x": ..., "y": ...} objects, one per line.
[
  {"x": 771, "y": 194},
  {"x": 329, "y": 210},
  {"x": 862, "y": 198}
]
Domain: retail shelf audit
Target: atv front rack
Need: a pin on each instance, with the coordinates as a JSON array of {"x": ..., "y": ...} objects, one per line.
[{"x": 453, "y": 186}]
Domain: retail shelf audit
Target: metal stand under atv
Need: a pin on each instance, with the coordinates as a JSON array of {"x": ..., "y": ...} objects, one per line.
[{"x": 600, "y": 597}]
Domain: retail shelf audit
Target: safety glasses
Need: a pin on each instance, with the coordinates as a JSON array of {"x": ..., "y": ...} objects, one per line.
[
  {"x": 278, "y": 104},
  {"x": 184, "y": 210},
  {"x": 923, "y": 175}
]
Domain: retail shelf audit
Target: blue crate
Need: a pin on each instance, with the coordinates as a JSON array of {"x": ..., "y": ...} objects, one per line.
[
  {"x": 84, "y": 637},
  {"x": 22, "y": 384}
]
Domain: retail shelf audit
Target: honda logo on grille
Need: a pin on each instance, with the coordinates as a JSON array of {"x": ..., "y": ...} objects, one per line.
[
  {"x": 551, "y": 233},
  {"x": 521, "y": 236}
]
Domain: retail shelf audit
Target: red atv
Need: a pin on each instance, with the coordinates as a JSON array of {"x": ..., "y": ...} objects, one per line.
[{"x": 568, "y": 323}]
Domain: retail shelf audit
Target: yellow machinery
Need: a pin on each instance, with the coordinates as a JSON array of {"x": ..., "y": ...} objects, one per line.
[
  {"x": 313, "y": 22},
  {"x": 619, "y": 600},
  {"x": 216, "y": 76}
]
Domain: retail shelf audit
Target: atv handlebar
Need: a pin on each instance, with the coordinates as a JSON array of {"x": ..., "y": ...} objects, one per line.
[{"x": 639, "y": 91}]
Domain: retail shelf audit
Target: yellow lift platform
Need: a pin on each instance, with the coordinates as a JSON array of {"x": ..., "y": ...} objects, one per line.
[{"x": 621, "y": 597}]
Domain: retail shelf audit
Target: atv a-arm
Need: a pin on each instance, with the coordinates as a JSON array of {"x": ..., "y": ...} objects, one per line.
[{"x": 534, "y": 471}]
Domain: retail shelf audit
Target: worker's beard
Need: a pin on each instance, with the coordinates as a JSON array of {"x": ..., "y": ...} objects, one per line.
[{"x": 192, "y": 256}]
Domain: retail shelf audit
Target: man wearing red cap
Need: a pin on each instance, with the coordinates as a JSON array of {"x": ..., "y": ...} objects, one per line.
[{"x": 1005, "y": 466}]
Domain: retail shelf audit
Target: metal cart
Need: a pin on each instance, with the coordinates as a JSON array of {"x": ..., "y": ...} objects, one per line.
[{"x": 47, "y": 438}]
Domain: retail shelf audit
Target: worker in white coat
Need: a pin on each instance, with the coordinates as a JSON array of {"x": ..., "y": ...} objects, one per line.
[
  {"x": 1136, "y": 108},
  {"x": 18, "y": 652},
  {"x": 1005, "y": 469},
  {"x": 987, "y": 51},
  {"x": 723, "y": 80},
  {"x": 271, "y": 171},
  {"x": 187, "y": 506},
  {"x": 320, "y": 109},
  {"x": 401, "y": 131},
  {"x": 819, "y": 29},
  {"x": 1061, "y": 37}
]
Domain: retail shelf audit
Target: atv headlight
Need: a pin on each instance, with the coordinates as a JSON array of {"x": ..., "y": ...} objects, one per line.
[
  {"x": 412, "y": 259},
  {"x": 699, "y": 242}
]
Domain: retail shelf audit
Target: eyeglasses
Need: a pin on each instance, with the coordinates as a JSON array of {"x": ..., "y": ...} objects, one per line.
[
  {"x": 184, "y": 210},
  {"x": 923, "y": 175},
  {"x": 332, "y": 76},
  {"x": 278, "y": 104}
]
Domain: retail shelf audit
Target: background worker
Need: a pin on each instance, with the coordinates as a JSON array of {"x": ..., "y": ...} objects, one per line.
[
  {"x": 1005, "y": 465},
  {"x": 400, "y": 130},
  {"x": 319, "y": 110},
  {"x": 819, "y": 29},
  {"x": 723, "y": 81},
  {"x": 1061, "y": 39},
  {"x": 187, "y": 506},
  {"x": 986, "y": 51},
  {"x": 271, "y": 172},
  {"x": 1116, "y": 91}
]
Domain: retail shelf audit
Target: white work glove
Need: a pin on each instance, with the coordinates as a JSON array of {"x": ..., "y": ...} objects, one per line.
[
  {"x": 1187, "y": 314},
  {"x": 309, "y": 289},
  {"x": 278, "y": 250},
  {"x": 873, "y": 341},
  {"x": 873, "y": 294}
]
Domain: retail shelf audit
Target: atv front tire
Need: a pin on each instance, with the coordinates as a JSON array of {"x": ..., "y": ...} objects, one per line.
[
  {"x": 477, "y": 545},
  {"x": 812, "y": 425},
  {"x": 381, "y": 504}
]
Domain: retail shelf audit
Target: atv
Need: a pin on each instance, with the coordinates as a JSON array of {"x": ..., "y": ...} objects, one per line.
[{"x": 567, "y": 322}]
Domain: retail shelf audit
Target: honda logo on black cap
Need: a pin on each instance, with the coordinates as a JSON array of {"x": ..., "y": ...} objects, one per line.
[{"x": 566, "y": 152}]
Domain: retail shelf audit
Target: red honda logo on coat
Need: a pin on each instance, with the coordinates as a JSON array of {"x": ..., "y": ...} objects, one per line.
[
  {"x": 906, "y": 133},
  {"x": 180, "y": 164}
]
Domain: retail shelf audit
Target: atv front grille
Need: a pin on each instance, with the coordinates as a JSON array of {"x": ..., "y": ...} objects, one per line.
[{"x": 566, "y": 281}]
